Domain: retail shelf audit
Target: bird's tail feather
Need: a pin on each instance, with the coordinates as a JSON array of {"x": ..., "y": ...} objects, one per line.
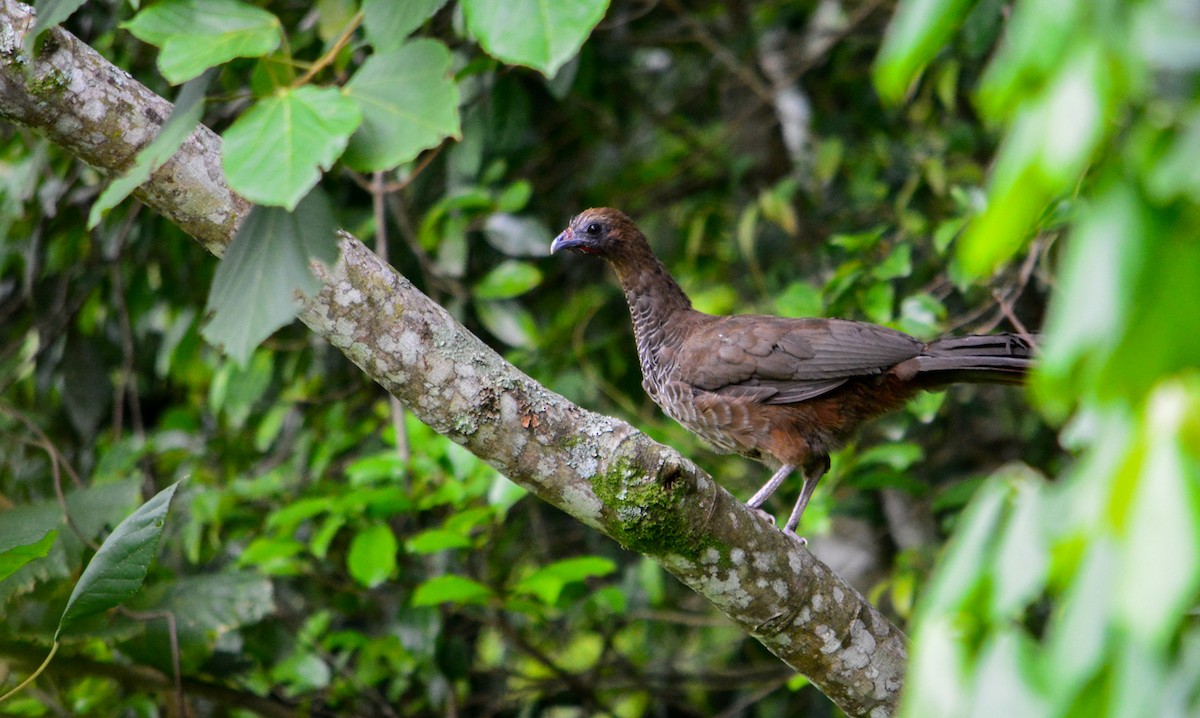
[{"x": 986, "y": 358}]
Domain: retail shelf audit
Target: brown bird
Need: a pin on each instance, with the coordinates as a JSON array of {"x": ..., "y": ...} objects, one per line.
[{"x": 778, "y": 390}]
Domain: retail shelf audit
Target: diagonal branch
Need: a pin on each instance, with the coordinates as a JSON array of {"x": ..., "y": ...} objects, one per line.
[{"x": 596, "y": 468}]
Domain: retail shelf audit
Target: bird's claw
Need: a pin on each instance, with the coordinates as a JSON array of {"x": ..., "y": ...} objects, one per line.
[{"x": 769, "y": 518}]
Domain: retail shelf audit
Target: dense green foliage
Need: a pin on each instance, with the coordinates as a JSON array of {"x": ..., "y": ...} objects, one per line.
[{"x": 331, "y": 554}]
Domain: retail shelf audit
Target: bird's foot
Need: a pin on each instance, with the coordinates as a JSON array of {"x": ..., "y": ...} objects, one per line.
[
  {"x": 769, "y": 518},
  {"x": 787, "y": 531}
]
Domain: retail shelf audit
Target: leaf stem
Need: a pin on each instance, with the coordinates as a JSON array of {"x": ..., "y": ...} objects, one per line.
[{"x": 32, "y": 676}]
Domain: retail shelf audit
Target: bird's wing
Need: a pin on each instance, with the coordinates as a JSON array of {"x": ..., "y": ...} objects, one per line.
[{"x": 795, "y": 359}]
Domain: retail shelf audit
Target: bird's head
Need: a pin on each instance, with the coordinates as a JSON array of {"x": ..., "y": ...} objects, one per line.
[{"x": 602, "y": 231}]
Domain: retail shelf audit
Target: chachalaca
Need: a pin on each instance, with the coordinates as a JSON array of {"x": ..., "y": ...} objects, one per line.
[{"x": 777, "y": 390}]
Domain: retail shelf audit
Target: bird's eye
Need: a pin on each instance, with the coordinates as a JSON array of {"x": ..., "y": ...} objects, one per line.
[{"x": 593, "y": 228}]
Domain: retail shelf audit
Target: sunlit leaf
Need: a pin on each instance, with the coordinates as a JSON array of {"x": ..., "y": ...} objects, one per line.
[
  {"x": 17, "y": 556},
  {"x": 508, "y": 279},
  {"x": 372, "y": 556},
  {"x": 542, "y": 34},
  {"x": 548, "y": 582},
  {"x": 435, "y": 540},
  {"x": 916, "y": 33},
  {"x": 408, "y": 101},
  {"x": 195, "y": 35},
  {"x": 275, "y": 152},
  {"x": 450, "y": 589},
  {"x": 389, "y": 23}
]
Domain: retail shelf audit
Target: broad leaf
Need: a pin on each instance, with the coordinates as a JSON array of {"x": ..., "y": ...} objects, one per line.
[
  {"x": 388, "y": 23},
  {"x": 435, "y": 540},
  {"x": 548, "y": 582},
  {"x": 117, "y": 570},
  {"x": 542, "y": 34},
  {"x": 409, "y": 102},
  {"x": 454, "y": 589},
  {"x": 517, "y": 236},
  {"x": 274, "y": 153},
  {"x": 17, "y": 556},
  {"x": 917, "y": 32},
  {"x": 255, "y": 288},
  {"x": 372, "y": 557},
  {"x": 195, "y": 35},
  {"x": 508, "y": 279},
  {"x": 189, "y": 108},
  {"x": 206, "y": 608}
]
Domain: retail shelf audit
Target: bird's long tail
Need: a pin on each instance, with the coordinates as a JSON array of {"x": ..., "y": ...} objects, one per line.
[{"x": 984, "y": 358}]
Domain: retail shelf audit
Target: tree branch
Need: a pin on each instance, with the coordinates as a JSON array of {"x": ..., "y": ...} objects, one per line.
[{"x": 596, "y": 468}]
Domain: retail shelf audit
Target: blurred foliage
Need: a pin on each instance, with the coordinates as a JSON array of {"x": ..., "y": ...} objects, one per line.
[
  {"x": 1078, "y": 597},
  {"x": 332, "y": 555}
]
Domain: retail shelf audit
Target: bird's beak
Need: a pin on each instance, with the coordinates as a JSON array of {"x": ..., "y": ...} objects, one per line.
[{"x": 566, "y": 240}]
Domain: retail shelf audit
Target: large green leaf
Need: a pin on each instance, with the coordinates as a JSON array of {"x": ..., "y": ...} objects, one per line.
[
  {"x": 917, "y": 32},
  {"x": 117, "y": 570},
  {"x": 389, "y": 23},
  {"x": 275, "y": 152},
  {"x": 206, "y": 608},
  {"x": 189, "y": 108},
  {"x": 409, "y": 102},
  {"x": 255, "y": 287},
  {"x": 17, "y": 556},
  {"x": 195, "y": 35},
  {"x": 542, "y": 34}
]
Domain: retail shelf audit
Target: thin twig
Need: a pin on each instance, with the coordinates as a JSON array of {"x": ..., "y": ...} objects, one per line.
[{"x": 331, "y": 55}]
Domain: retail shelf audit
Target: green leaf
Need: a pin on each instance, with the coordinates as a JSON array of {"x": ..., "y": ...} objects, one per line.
[
  {"x": 508, "y": 279},
  {"x": 388, "y": 23},
  {"x": 517, "y": 236},
  {"x": 385, "y": 466},
  {"x": 206, "y": 608},
  {"x": 189, "y": 108},
  {"x": 800, "y": 299},
  {"x": 542, "y": 34},
  {"x": 917, "y": 32},
  {"x": 508, "y": 321},
  {"x": 195, "y": 35},
  {"x": 274, "y": 153},
  {"x": 897, "y": 264},
  {"x": 372, "y": 557},
  {"x": 435, "y": 540},
  {"x": 254, "y": 289},
  {"x": 548, "y": 582},
  {"x": 17, "y": 556},
  {"x": 451, "y": 589},
  {"x": 408, "y": 101},
  {"x": 117, "y": 570}
]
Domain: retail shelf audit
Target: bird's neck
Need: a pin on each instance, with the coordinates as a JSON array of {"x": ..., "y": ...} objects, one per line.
[{"x": 656, "y": 301}]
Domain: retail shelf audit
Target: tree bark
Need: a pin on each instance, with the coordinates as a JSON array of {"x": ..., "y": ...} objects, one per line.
[{"x": 598, "y": 469}]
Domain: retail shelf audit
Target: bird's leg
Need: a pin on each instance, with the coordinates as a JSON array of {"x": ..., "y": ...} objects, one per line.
[
  {"x": 759, "y": 498},
  {"x": 812, "y": 473}
]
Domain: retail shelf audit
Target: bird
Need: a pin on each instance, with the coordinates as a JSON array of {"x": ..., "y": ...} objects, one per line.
[{"x": 782, "y": 391}]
